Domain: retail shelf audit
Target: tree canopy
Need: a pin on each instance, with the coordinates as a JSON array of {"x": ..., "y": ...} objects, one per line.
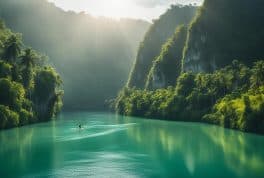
[
  {"x": 23, "y": 82},
  {"x": 232, "y": 97}
]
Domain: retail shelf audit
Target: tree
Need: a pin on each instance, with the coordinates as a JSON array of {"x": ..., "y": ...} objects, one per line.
[
  {"x": 257, "y": 78},
  {"x": 18, "y": 83},
  {"x": 12, "y": 48},
  {"x": 47, "y": 91},
  {"x": 5, "y": 69},
  {"x": 8, "y": 118},
  {"x": 185, "y": 84},
  {"x": 28, "y": 60},
  {"x": 12, "y": 94}
]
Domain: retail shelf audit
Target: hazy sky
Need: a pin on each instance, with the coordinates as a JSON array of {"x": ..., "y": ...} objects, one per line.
[{"x": 144, "y": 9}]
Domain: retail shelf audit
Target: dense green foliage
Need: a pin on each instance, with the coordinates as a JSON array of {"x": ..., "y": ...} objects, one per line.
[
  {"x": 178, "y": 86},
  {"x": 167, "y": 67},
  {"x": 232, "y": 97},
  {"x": 225, "y": 30},
  {"x": 158, "y": 34},
  {"x": 29, "y": 89},
  {"x": 90, "y": 53}
]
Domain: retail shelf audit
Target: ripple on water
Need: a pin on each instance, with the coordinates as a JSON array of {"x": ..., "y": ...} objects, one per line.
[
  {"x": 91, "y": 131},
  {"x": 102, "y": 164}
]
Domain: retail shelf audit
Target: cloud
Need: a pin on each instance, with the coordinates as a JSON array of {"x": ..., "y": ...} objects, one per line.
[{"x": 154, "y": 3}]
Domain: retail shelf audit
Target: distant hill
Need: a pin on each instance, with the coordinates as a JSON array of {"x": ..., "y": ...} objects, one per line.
[{"x": 93, "y": 55}]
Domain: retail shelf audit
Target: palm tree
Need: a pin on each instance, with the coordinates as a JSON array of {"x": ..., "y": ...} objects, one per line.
[
  {"x": 257, "y": 78},
  {"x": 12, "y": 48},
  {"x": 28, "y": 60}
]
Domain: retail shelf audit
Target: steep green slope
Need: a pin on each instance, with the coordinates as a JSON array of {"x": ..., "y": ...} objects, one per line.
[
  {"x": 223, "y": 31},
  {"x": 150, "y": 48},
  {"x": 167, "y": 67},
  {"x": 93, "y": 55},
  {"x": 212, "y": 86},
  {"x": 232, "y": 97},
  {"x": 30, "y": 89}
]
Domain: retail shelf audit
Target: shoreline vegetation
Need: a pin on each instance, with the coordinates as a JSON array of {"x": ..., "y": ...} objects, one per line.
[
  {"x": 30, "y": 88},
  {"x": 195, "y": 64},
  {"x": 232, "y": 97},
  {"x": 210, "y": 70}
]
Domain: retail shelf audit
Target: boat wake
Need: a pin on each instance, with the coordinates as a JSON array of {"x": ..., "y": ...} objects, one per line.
[{"x": 91, "y": 131}]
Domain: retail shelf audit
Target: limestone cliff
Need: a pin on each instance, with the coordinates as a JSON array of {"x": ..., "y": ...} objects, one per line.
[
  {"x": 167, "y": 67},
  {"x": 225, "y": 30},
  {"x": 158, "y": 34}
]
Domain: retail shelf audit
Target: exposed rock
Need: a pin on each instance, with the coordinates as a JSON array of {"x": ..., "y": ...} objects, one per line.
[{"x": 218, "y": 36}]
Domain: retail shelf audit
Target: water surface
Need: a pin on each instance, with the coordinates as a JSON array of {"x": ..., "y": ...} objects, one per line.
[{"x": 116, "y": 146}]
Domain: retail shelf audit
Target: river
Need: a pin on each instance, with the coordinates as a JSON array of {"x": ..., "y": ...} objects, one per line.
[{"x": 115, "y": 146}]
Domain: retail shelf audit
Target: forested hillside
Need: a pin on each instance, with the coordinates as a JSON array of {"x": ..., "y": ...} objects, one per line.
[
  {"x": 212, "y": 73},
  {"x": 93, "y": 55},
  {"x": 30, "y": 89},
  {"x": 157, "y": 35},
  {"x": 232, "y": 97}
]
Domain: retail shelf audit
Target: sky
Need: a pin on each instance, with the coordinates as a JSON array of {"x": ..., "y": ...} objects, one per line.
[{"x": 139, "y": 9}]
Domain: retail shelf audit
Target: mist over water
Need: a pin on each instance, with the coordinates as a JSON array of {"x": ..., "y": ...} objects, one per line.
[{"x": 115, "y": 146}]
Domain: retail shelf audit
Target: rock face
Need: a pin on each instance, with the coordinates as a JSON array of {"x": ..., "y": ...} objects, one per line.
[
  {"x": 167, "y": 67},
  {"x": 158, "y": 79},
  {"x": 158, "y": 34},
  {"x": 225, "y": 30}
]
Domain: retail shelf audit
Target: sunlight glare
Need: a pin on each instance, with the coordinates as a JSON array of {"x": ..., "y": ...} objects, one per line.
[
  {"x": 112, "y": 8},
  {"x": 147, "y": 9}
]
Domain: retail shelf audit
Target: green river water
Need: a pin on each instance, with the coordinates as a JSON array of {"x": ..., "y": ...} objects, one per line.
[{"x": 116, "y": 146}]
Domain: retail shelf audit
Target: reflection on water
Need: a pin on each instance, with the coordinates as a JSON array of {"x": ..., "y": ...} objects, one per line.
[
  {"x": 18, "y": 141},
  {"x": 200, "y": 145},
  {"x": 242, "y": 152},
  {"x": 117, "y": 146},
  {"x": 21, "y": 147}
]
